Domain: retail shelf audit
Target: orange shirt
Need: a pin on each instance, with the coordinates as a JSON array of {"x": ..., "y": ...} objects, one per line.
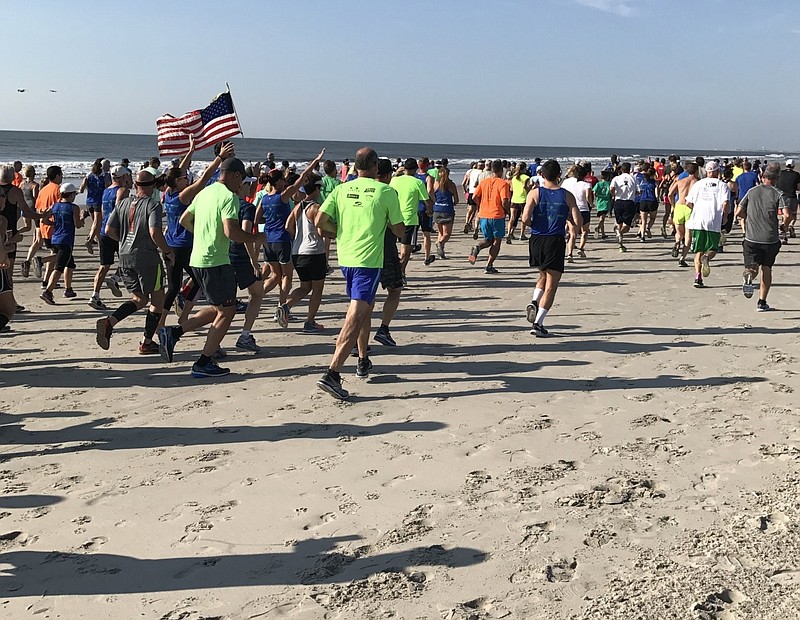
[
  {"x": 17, "y": 182},
  {"x": 48, "y": 196},
  {"x": 492, "y": 192}
]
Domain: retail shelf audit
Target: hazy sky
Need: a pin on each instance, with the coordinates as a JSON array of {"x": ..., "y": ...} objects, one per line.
[{"x": 713, "y": 74}]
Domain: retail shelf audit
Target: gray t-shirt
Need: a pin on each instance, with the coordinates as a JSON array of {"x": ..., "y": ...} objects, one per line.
[
  {"x": 134, "y": 217},
  {"x": 762, "y": 205}
]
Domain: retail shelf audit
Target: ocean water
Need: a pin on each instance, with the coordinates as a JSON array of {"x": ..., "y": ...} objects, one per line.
[{"x": 75, "y": 152}]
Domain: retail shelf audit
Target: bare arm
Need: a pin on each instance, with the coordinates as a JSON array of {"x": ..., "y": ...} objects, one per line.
[
  {"x": 82, "y": 188},
  {"x": 234, "y": 232},
  {"x": 76, "y": 216},
  {"x": 157, "y": 235},
  {"x": 187, "y": 220},
  {"x": 398, "y": 230},
  {"x": 325, "y": 224},
  {"x": 289, "y": 192},
  {"x": 188, "y": 194},
  {"x": 530, "y": 204},
  {"x": 187, "y": 159}
]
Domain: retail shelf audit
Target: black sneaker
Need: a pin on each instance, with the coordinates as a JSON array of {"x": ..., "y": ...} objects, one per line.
[
  {"x": 698, "y": 283},
  {"x": 531, "y": 311},
  {"x": 103, "y": 333},
  {"x": 209, "y": 370},
  {"x": 490, "y": 269},
  {"x": 167, "y": 338},
  {"x": 363, "y": 367},
  {"x": 416, "y": 248},
  {"x": 333, "y": 385},
  {"x": 539, "y": 331},
  {"x": 429, "y": 260},
  {"x": 354, "y": 352},
  {"x": 762, "y": 306},
  {"x": 384, "y": 337}
]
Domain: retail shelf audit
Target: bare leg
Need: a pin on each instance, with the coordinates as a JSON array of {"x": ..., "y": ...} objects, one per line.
[
  {"x": 494, "y": 250},
  {"x": 315, "y": 300},
  {"x": 766, "y": 282},
  {"x": 550, "y": 285},
  {"x": 219, "y": 327},
  {"x": 357, "y": 314},
  {"x": 390, "y": 305}
]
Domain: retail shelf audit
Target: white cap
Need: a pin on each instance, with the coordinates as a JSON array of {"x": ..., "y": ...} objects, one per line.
[
  {"x": 789, "y": 163},
  {"x": 119, "y": 171},
  {"x": 712, "y": 166},
  {"x": 68, "y": 188}
]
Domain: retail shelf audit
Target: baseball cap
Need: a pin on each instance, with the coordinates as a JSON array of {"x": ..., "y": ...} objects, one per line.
[
  {"x": 151, "y": 170},
  {"x": 789, "y": 163},
  {"x": 712, "y": 166},
  {"x": 249, "y": 180},
  {"x": 410, "y": 164},
  {"x": 233, "y": 164},
  {"x": 119, "y": 171},
  {"x": 68, "y": 188}
]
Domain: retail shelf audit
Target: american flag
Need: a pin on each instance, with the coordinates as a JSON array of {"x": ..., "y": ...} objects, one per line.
[{"x": 212, "y": 124}]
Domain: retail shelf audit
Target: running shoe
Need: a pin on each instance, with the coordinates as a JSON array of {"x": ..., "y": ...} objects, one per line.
[
  {"x": 440, "y": 251},
  {"x": 416, "y": 248},
  {"x": 664, "y": 232},
  {"x": 383, "y": 336},
  {"x": 475, "y": 234},
  {"x": 531, "y": 311},
  {"x": 705, "y": 268},
  {"x": 649, "y": 233},
  {"x": 219, "y": 354},
  {"x": 762, "y": 306},
  {"x": 642, "y": 239},
  {"x": 354, "y": 352},
  {"x": 622, "y": 248},
  {"x": 508, "y": 240},
  {"x": 539, "y": 331},
  {"x": 282, "y": 315},
  {"x": 597, "y": 233},
  {"x": 675, "y": 251},
  {"x": 581, "y": 253},
  {"x": 247, "y": 343},
  {"x": 698, "y": 283},
  {"x": 682, "y": 263},
  {"x": 20, "y": 309},
  {"x": 113, "y": 285},
  {"x": 791, "y": 232},
  {"x": 148, "y": 348},
  {"x": 467, "y": 229},
  {"x": 38, "y": 267},
  {"x": 167, "y": 339},
  {"x": 180, "y": 302},
  {"x": 570, "y": 259},
  {"x": 332, "y": 384},
  {"x": 363, "y": 367},
  {"x": 429, "y": 260},
  {"x": 69, "y": 293},
  {"x": 473, "y": 254},
  {"x": 747, "y": 287},
  {"x": 523, "y": 237},
  {"x": 209, "y": 370},
  {"x": 490, "y": 269},
  {"x": 97, "y": 304},
  {"x": 47, "y": 297},
  {"x": 103, "y": 333},
  {"x": 312, "y": 327},
  {"x": 89, "y": 246},
  {"x": 241, "y": 306},
  {"x": 25, "y": 267}
]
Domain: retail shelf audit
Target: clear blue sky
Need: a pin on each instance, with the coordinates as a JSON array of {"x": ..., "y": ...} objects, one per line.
[{"x": 639, "y": 73}]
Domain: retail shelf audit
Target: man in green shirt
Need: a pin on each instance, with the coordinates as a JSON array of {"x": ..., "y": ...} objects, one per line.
[
  {"x": 358, "y": 212},
  {"x": 213, "y": 218},
  {"x": 411, "y": 191}
]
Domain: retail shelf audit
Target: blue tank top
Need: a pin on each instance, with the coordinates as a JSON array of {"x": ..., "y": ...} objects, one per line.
[
  {"x": 422, "y": 176},
  {"x": 444, "y": 202},
  {"x": 276, "y": 212},
  {"x": 177, "y": 236},
  {"x": 549, "y": 218},
  {"x": 95, "y": 185},
  {"x": 64, "y": 224},
  {"x": 648, "y": 189},
  {"x": 639, "y": 178},
  {"x": 109, "y": 202}
]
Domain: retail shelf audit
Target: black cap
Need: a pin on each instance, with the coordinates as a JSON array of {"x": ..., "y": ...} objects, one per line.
[
  {"x": 410, "y": 164},
  {"x": 384, "y": 167},
  {"x": 233, "y": 164}
]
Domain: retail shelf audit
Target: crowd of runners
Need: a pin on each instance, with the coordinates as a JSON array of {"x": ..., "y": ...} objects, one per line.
[{"x": 195, "y": 245}]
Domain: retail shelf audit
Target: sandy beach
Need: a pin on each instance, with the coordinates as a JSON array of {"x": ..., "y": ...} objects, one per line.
[{"x": 643, "y": 463}]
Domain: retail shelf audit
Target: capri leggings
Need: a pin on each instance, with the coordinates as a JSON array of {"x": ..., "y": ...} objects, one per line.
[{"x": 175, "y": 271}]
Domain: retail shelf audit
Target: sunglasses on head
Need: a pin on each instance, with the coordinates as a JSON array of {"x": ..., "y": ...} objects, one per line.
[{"x": 145, "y": 183}]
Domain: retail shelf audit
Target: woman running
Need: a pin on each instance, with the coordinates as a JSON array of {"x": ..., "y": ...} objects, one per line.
[
  {"x": 444, "y": 209},
  {"x": 94, "y": 184},
  {"x": 8, "y": 305},
  {"x": 648, "y": 202},
  {"x": 520, "y": 186},
  {"x": 582, "y": 192}
]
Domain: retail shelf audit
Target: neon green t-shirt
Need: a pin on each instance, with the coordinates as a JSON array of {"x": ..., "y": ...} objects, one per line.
[
  {"x": 328, "y": 185},
  {"x": 434, "y": 172},
  {"x": 212, "y": 205},
  {"x": 362, "y": 209},
  {"x": 410, "y": 191},
  {"x": 518, "y": 193},
  {"x": 602, "y": 196}
]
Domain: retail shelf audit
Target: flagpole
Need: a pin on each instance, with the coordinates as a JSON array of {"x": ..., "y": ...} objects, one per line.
[{"x": 227, "y": 86}]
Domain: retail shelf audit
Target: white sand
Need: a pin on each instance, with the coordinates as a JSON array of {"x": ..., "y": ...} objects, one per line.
[{"x": 644, "y": 464}]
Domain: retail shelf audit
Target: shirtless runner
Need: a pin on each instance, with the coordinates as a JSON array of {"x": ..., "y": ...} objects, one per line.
[{"x": 681, "y": 213}]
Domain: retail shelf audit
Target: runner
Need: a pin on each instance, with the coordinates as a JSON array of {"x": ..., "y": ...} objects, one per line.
[
  {"x": 425, "y": 208},
  {"x": 48, "y": 196},
  {"x": 244, "y": 260},
  {"x": 681, "y": 213},
  {"x": 547, "y": 210},
  {"x": 64, "y": 217},
  {"x": 30, "y": 191},
  {"x": 411, "y": 192},
  {"x": 471, "y": 184},
  {"x": 213, "y": 219},
  {"x": 358, "y": 212},
  {"x": 727, "y": 222},
  {"x": 758, "y": 213},
  {"x": 444, "y": 209},
  {"x": 8, "y": 304},
  {"x": 392, "y": 272},
  {"x": 308, "y": 254},
  {"x": 648, "y": 203},
  {"x": 602, "y": 199},
  {"x": 15, "y": 207},
  {"x": 709, "y": 200},
  {"x": 112, "y": 196},
  {"x": 520, "y": 186},
  {"x": 94, "y": 185},
  {"x": 788, "y": 182},
  {"x": 136, "y": 223},
  {"x": 493, "y": 197},
  {"x": 581, "y": 190},
  {"x": 273, "y": 211},
  {"x": 623, "y": 192}
]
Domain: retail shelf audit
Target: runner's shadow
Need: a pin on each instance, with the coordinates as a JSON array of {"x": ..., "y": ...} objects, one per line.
[
  {"x": 29, "y": 501},
  {"x": 39, "y": 573}
]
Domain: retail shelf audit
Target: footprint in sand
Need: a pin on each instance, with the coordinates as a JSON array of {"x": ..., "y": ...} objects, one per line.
[
  {"x": 209, "y": 455},
  {"x": 561, "y": 570},
  {"x": 718, "y": 606},
  {"x": 482, "y": 447},
  {"x": 708, "y": 482},
  {"x": 397, "y": 480},
  {"x": 64, "y": 484},
  {"x": 93, "y": 544},
  {"x": 323, "y": 519},
  {"x": 536, "y": 533}
]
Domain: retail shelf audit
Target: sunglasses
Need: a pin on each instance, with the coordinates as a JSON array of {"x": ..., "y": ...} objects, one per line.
[{"x": 145, "y": 183}]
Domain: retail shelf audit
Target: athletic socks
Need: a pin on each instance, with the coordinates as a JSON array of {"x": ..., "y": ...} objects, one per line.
[
  {"x": 537, "y": 294},
  {"x": 245, "y": 333},
  {"x": 540, "y": 316},
  {"x": 124, "y": 311}
]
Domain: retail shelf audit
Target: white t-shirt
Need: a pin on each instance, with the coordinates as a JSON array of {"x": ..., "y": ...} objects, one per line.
[
  {"x": 473, "y": 180},
  {"x": 707, "y": 197},
  {"x": 578, "y": 189},
  {"x": 624, "y": 186}
]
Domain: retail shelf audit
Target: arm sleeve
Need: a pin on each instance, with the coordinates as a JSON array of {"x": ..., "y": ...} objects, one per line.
[
  {"x": 392, "y": 202},
  {"x": 329, "y": 207},
  {"x": 230, "y": 208},
  {"x": 155, "y": 214}
]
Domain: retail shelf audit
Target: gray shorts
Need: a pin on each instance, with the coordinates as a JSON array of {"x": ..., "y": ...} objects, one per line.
[
  {"x": 218, "y": 284},
  {"x": 143, "y": 279}
]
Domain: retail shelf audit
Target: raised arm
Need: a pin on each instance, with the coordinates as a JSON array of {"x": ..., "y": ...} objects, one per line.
[
  {"x": 188, "y": 194},
  {"x": 289, "y": 191}
]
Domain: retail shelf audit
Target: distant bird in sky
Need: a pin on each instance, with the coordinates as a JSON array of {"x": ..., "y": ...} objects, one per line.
[
  {"x": 53, "y": 91},
  {"x": 21, "y": 90}
]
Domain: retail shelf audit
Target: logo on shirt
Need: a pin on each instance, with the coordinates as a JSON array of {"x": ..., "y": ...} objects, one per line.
[
  {"x": 354, "y": 196},
  {"x": 369, "y": 190}
]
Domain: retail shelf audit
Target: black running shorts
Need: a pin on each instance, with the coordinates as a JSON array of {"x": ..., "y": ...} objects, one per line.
[
  {"x": 547, "y": 252},
  {"x": 218, "y": 284}
]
